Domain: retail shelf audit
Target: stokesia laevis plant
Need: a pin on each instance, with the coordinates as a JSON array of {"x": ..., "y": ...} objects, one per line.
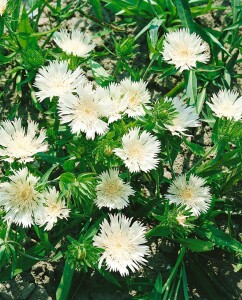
[{"x": 124, "y": 109}]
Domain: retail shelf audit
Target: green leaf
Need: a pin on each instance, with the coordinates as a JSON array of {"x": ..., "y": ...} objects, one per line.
[
  {"x": 65, "y": 283},
  {"x": 195, "y": 148},
  {"x": 159, "y": 230},
  {"x": 69, "y": 165},
  {"x": 200, "y": 100},
  {"x": 157, "y": 290},
  {"x": 107, "y": 275},
  {"x": 24, "y": 31},
  {"x": 153, "y": 32},
  {"x": 96, "y": 5},
  {"x": 196, "y": 245},
  {"x": 222, "y": 239},
  {"x": 67, "y": 177},
  {"x": 99, "y": 72},
  {"x": 192, "y": 87},
  {"x": 184, "y": 13}
]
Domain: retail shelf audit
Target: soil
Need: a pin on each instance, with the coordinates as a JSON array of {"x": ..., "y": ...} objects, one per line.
[{"x": 40, "y": 283}]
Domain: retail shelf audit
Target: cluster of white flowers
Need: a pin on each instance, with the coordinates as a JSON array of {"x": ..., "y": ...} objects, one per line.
[
  {"x": 25, "y": 205},
  {"x": 90, "y": 109}
]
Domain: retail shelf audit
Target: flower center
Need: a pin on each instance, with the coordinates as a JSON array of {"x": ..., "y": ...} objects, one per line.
[
  {"x": 135, "y": 152},
  {"x": 26, "y": 194},
  {"x": 184, "y": 53},
  {"x": 112, "y": 189},
  {"x": 186, "y": 194}
]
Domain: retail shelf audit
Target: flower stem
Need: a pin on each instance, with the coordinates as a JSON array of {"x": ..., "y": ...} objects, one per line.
[{"x": 7, "y": 232}]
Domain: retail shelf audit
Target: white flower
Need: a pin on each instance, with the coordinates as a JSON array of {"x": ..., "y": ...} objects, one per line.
[
  {"x": 19, "y": 143},
  {"x": 112, "y": 192},
  {"x": 227, "y": 104},
  {"x": 183, "y": 49},
  {"x": 192, "y": 193},
  {"x": 76, "y": 42},
  {"x": 3, "y": 5},
  {"x": 181, "y": 219},
  {"x": 122, "y": 244},
  {"x": 84, "y": 112},
  {"x": 52, "y": 210},
  {"x": 137, "y": 94},
  {"x": 185, "y": 117},
  {"x": 57, "y": 80},
  {"x": 139, "y": 152},
  {"x": 20, "y": 199},
  {"x": 112, "y": 97}
]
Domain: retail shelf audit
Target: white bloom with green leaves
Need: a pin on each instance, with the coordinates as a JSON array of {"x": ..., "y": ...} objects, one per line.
[
  {"x": 227, "y": 104},
  {"x": 20, "y": 198},
  {"x": 112, "y": 192},
  {"x": 113, "y": 97},
  {"x": 138, "y": 96},
  {"x": 84, "y": 112},
  {"x": 53, "y": 209},
  {"x": 192, "y": 193},
  {"x": 123, "y": 244},
  {"x": 19, "y": 144},
  {"x": 139, "y": 150},
  {"x": 74, "y": 43},
  {"x": 55, "y": 80},
  {"x": 185, "y": 117},
  {"x": 184, "y": 49}
]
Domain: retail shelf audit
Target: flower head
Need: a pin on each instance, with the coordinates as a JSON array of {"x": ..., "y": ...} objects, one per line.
[
  {"x": 3, "y": 5},
  {"x": 122, "y": 244},
  {"x": 137, "y": 95},
  {"x": 112, "y": 97},
  {"x": 112, "y": 192},
  {"x": 227, "y": 104},
  {"x": 52, "y": 210},
  {"x": 184, "y": 49},
  {"x": 185, "y": 117},
  {"x": 139, "y": 151},
  {"x": 57, "y": 80},
  {"x": 192, "y": 193},
  {"x": 76, "y": 42},
  {"x": 84, "y": 112},
  {"x": 21, "y": 144},
  {"x": 20, "y": 199}
]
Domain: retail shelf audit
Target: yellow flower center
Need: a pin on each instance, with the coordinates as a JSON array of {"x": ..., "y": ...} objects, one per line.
[
  {"x": 186, "y": 194},
  {"x": 26, "y": 194}
]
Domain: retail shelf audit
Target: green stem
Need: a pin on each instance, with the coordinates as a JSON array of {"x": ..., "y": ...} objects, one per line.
[
  {"x": 7, "y": 232},
  {"x": 174, "y": 270},
  {"x": 175, "y": 90},
  {"x": 150, "y": 65}
]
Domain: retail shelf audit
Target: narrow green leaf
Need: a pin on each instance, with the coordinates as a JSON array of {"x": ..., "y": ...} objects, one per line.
[
  {"x": 200, "y": 100},
  {"x": 192, "y": 87},
  {"x": 157, "y": 290},
  {"x": 65, "y": 283},
  {"x": 196, "y": 245},
  {"x": 184, "y": 13},
  {"x": 97, "y": 9}
]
